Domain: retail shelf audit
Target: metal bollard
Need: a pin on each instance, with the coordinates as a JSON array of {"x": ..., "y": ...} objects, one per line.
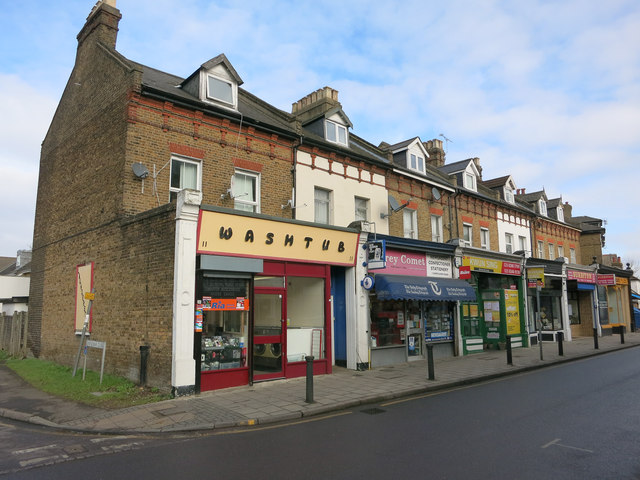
[
  {"x": 595, "y": 338},
  {"x": 509, "y": 354},
  {"x": 622, "y": 333},
  {"x": 144, "y": 358},
  {"x": 309, "y": 360},
  {"x": 432, "y": 375},
  {"x": 560, "y": 346}
]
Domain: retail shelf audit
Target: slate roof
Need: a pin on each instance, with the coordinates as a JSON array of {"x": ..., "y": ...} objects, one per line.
[
  {"x": 496, "y": 182},
  {"x": 455, "y": 166}
]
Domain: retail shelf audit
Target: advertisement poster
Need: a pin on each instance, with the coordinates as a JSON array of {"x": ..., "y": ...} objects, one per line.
[
  {"x": 198, "y": 320},
  {"x": 512, "y": 312}
]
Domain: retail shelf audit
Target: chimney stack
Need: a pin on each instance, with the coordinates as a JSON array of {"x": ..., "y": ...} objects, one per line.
[
  {"x": 436, "y": 153},
  {"x": 315, "y": 104},
  {"x": 102, "y": 23}
]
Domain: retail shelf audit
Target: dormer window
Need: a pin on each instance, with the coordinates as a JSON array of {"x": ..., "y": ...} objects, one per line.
[
  {"x": 335, "y": 133},
  {"x": 542, "y": 207},
  {"x": 416, "y": 162},
  {"x": 470, "y": 181},
  {"x": 220, "y": 90},
  {"x": 560, "y": 215},
  {"x": 508, "y": 195}
]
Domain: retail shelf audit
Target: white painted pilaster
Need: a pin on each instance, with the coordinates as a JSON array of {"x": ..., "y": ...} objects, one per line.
[{"x": 183, "y": 367}]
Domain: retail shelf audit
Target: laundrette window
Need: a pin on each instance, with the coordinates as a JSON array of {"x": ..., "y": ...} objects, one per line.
[{"x": 305, "y": 318}]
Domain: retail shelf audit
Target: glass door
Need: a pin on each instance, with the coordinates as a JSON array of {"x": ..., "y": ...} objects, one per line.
[{"x": 268, "y": 335}]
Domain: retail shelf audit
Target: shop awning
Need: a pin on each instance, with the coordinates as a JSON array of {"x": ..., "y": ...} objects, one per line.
[
  {"x": 404, "y": 287},
  {"x": 635, "y": 295}
]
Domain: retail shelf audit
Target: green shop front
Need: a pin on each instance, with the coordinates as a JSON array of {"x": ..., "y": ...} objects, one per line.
[{"x": 498, "y": 310}]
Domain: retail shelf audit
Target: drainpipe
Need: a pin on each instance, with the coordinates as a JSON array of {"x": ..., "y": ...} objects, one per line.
[{"x": 293, "y": 182}]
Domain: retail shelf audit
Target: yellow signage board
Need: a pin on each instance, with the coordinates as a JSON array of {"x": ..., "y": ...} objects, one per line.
[
  {"x": 243, "y": 236},
  {"x": 481, "y": 264},
  {"x": 512, "y": 308}
]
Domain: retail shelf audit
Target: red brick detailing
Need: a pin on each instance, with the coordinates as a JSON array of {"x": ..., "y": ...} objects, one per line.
[
  {"x": 412, "y": 205},
  {"x": 484, "y": 223},
  {"x": 540, "y": 238},
  {"x": 247, "y": 165},
  {"x": 186, "y": 150},
  {"x": 466, "y": 219},
  {"x": 436, "y": 211}
]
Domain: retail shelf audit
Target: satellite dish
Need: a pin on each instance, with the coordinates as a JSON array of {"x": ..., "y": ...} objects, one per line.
[
  {"x": 139, "y": 170},
  {"x": 393, "y": 203},
  {"x": 435, "y": 193}
]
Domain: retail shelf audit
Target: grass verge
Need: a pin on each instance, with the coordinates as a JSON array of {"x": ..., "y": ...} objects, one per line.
[{"x": 114, "y": 392}]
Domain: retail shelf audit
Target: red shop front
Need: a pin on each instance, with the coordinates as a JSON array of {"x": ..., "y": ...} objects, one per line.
[{"x": 263, "y": 293}]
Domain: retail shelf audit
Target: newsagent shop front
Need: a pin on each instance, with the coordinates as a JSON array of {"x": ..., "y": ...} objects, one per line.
[
  {"x": 263, "y": 290},
  {"x": 413, "y": 301},
  {"x": 498, "y": 310}
]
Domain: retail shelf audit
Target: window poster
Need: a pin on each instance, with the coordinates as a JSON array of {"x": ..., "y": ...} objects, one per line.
[{"x": 84, "y": 289}]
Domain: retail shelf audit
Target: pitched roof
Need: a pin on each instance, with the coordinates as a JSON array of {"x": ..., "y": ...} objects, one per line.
[
  {"x": 496, "y": 182},
  {"x": 455, "y": 166}
]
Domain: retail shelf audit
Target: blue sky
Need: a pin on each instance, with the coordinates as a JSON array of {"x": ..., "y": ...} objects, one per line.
[{"x": 547, "y": 91}]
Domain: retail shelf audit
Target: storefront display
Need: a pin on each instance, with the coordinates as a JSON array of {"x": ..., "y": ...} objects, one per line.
[
  {"x": 498, "y": 310},
  {"x": 263, "y": 294}
]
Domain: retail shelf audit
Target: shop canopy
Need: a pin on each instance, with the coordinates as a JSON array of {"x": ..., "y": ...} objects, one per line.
[{"x": 404, "y": 287}]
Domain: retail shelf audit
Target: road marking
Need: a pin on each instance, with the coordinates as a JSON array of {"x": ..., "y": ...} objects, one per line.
[
  {"x": 556, "y": 442},
  {"x": 33, "y": 461},
  {"x": 35, "y": 449},
  {"x": 122, "y": 446},
  {"x": 108, "y": 439}
]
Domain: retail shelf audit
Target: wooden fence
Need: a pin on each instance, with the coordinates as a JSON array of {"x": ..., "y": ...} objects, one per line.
[{"x": 13, "y": 333}]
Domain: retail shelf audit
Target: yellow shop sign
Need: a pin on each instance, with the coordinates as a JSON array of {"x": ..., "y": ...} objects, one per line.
[{"x": 243, "y": 236}]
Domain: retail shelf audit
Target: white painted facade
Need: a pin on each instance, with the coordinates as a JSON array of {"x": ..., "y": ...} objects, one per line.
[
  {"x": 344, "y": 183},
  {"x": 13, "y": 287},
  {"x": 518, "y": 227}
]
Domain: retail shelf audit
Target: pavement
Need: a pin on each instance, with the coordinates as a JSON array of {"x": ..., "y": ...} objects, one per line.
[{"x": 285, "y": 400}]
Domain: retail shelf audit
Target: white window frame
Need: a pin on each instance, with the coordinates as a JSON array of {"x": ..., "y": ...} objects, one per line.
[
  {"x": 210, "y": 96},
  {"x": 333, "y": 129},
  {"x": 467, "y": 235},
  {"x": 508, "y": 195},
  {"x": 540, "y": 249},
  {"x": 361, "y": 207},
  {"x": 508, "y": 242},
  {"x": 560, "y": 250},
  {"x": 470, "y": 181},
  {"x": 485, "y": 238},
  {"x": 173, "y": 190},
  {"x": 436, "y": 229},
  {"x": 572, "y": 255},
  {"x": 542, "y": 207},
  {"x": 552, "y": 251},
  {"x": 522, "y": 243},
  {"x": 323, "y": 204},
  {"x": 560, "y": 213},
  {"x": 416, "y": 162},
  {"x": 240, "y": 200},
  {"x": 410, "y": 223}
]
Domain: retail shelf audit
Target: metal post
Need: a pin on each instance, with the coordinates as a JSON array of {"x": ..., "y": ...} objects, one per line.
[
  {"x": 622, "y": 327},
  {"x": 144, "y": 357},
  {"x": 560, "y": 346},
  {"x": 509, "y": 355},
  {"x": 538, "y": 287},
  {"x": 432, "y": 375},
  {"x": 595, "y": 338},
  {"x": 309, "y": 360}
]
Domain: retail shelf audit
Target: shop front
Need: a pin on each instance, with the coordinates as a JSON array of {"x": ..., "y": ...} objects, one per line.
[
  {"x": 413, "y": 301},
  {"x": 614, "y": 297},
  {"x": 498, "y": 309},
  {"x": 263, "y": 297},
  {"x": 549, "y": 299},
  {"x": 582, "y": 301}
]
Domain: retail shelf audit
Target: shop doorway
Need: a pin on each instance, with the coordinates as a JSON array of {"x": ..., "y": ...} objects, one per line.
[{"x": 269, "y": 335}]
